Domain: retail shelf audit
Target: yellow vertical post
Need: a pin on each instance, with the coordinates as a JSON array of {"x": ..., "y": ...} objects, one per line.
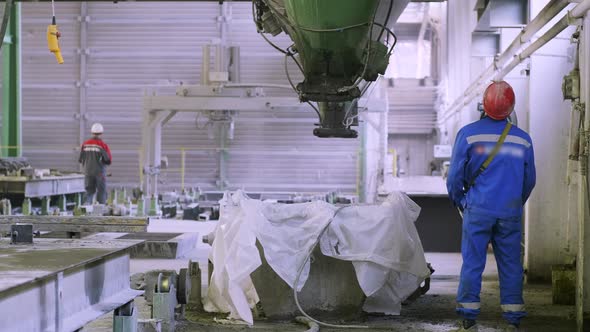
[{"x": 182, "y": 163}]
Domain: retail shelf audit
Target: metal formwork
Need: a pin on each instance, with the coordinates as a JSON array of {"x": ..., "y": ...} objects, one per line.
[
  {"x": 47, "y": 186},
  {"x": 61, "y": 285}
]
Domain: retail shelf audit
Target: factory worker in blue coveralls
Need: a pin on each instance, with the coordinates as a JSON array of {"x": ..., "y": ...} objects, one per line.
[{"x": 491, "y": 176}]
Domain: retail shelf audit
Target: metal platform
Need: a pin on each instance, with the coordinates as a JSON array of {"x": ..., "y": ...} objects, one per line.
[
  {"x": 61, "y": 285},
  {"x": 47, "y": 186},
  {"x": 156, "y": 245},
  {"x": 86, "y": 224}
]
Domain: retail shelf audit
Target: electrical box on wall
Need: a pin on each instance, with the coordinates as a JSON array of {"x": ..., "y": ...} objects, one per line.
[
  {"x": 494, "y": 14},
  {"x": 443, "y": 151},
  {"x": 571, "y": 85}
]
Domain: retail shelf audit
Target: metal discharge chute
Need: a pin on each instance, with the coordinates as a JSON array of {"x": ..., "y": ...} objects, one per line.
[{"x": 341, "y": 46}]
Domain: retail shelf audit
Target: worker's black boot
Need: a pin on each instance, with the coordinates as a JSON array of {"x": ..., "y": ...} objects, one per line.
[
  {"x": 467, "y": 325},
  {"x": 512, "y": 328}
]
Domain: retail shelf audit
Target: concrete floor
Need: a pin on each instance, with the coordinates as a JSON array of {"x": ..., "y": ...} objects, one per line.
[{"x": 432, "y": 312}]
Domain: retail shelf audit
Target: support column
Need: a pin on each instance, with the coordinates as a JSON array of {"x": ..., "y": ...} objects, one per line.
[
  {"x": 583, "y": 267},
  {"x": 373, "y": 132},
  {"x": 151, "y": 145},
  {"x": 361, "y": 164},
  {"x": 460, "y": 24},
  {"x": 546, "y": 225},
  {"x": 223, "y": 155},
  {"x": 11, "y": 87},
  {"x": 82, "y": 83}
]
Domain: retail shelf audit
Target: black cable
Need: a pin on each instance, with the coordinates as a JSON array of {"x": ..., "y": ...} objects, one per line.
[
  {"x": 291, "y": 52},
  {"x": 316, "y": 111},
  {"x": 293, "y": 85},
  {"x": 369, "y": 42},
  {"x": 260, "y": 32},
  {"x": 5, "y": 19},
  {"x": 389, "y": 33},
  {"x": 386, "y": 19},
  {"x": 272, "y": 44},
  {"x": 288, "y": 75}
]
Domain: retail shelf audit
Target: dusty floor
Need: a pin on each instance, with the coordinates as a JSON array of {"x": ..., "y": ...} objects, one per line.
[{"x": 432, "y": 312}]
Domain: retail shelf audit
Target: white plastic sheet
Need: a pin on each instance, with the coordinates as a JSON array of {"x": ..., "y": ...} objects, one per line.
[
  {"x": 380, "y": 240},
  {"x": 384, "y": 246},
  {"x": 235, "y": 256}
]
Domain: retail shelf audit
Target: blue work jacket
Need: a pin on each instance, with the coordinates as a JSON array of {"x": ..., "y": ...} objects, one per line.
[{"x": 503, "y": 188}]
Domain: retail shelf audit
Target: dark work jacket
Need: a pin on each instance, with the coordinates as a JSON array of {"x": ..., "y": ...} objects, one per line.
[{"x": 95, "y": 155}]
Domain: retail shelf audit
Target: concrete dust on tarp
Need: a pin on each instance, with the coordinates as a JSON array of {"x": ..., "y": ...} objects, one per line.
[{"x": 380, "y": 240}]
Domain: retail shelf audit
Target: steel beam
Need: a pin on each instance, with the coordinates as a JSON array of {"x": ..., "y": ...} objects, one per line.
[
  {"x": 48, "y": 186},
  {"x": 222, "y": 156},
  {"x": 83, "y": 76},
  {"x": 219, "y": 103},
  {"x": 90, "y": 224},
  {"x": 11, "y": 87},
  {"x": 61, "y": 285},
  {"x": 157, "y": 110}
]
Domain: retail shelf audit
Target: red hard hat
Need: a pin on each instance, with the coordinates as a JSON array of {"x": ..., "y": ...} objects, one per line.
[{"x": 498, "y": 100}]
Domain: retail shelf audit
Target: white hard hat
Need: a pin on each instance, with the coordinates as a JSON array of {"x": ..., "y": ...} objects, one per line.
[{"x": 97, "y": 128}]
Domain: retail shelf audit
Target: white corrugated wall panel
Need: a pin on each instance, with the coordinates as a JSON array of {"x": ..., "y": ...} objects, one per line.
[
  {"x": 46, "y": 107},
  {"x": 260, "y": 62},
  {"x": 277, "y": 152},
  {"x": 50, "y": 99},
  {"x": 201, "y": 168},
  {"x": 411, "y": 107},
  {"x": 121, "y": 103},
  {"x": 137, "y": 48}
]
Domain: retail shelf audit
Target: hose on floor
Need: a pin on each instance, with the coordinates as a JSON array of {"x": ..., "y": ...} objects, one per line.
[
  {"x": 313, "y": 326},
  {"x": 300, "y": 271}
]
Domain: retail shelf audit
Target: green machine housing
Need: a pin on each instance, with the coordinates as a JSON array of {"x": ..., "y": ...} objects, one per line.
[{"x": 336, "y": 49}]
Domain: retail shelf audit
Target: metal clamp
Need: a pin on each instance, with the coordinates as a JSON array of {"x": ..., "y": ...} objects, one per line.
[
  {"x": 572, "y": 20},
  {"x": 125, "y": 318},
  {"x": 164, "y": 302},
  {"x": 151, "y": 170}
]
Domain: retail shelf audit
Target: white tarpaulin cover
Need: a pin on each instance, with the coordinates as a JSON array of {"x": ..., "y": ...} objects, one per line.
[{"x": 381, "y": 241}]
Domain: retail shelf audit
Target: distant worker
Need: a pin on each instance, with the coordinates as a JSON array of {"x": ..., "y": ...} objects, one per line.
[
  {"x": 491, "y": 176},
  {"x": 95, "y": 155}
]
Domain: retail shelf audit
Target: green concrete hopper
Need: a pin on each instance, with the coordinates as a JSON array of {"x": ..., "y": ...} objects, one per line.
[{"x": 337, "y": 47}]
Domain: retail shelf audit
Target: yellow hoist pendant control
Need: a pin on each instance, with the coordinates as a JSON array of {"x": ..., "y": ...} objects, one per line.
[{"x": 52, "y": 37}]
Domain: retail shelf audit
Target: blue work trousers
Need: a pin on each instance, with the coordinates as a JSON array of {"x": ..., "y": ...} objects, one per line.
[{"x": 505, "y": 235}]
